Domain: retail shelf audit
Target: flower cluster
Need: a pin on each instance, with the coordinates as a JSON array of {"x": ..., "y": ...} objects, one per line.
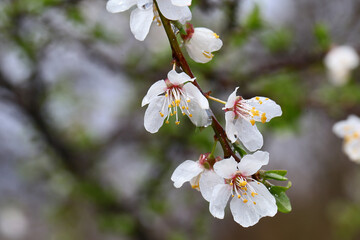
[
  {"x": 217, "y": 179},
  {"x": 349, "y": 129}
]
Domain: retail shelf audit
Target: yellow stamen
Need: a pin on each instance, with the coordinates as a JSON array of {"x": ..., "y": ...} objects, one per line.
[
  {"x": 183, "y": 107},
  {"x": 253, "y": 194},
  {"x": 257, "y": 98},
  {"x": 255, "y": 112},
  {"x": 260, "y": 102},
  {"x": 190, "y": 115},
  {"x": 245, "y": 200},
  {"x": 166, "y": 95},
  {"x": 266, "y": 99},
  {"x": 188, "y": 100},
  {"x": 183, "y": 114},
  {"x": 195, "y": 186},
  {"x": 252, "y": 121},
  {"x": 169, "y": 106},
  {"x": 177, "y": 123},
  {"x": 239, "y": 196},
  {"x": 161, "y": 114},
  {"x": 243, "y": 183},
  {"x": 215, "y": 35},
  {"x": 254, "y": 203},
  {"x": 207, "y": 54},
  {"x": 263, "y": 118},
  {"x": 167, "y": 122}
]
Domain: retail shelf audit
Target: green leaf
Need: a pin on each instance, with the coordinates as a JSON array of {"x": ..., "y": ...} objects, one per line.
[
  {"x": 278, "y": 41},
  {"x": 254, "y": 20},
  {"x": 279, "y": 189},
  {"x": 275, "y": 176},
  {"x": 278, "y": 172},
  {"x": 283, "y": 202},
  {"x": 321, "y": 33},
  {"x": 238, "y": 149}
]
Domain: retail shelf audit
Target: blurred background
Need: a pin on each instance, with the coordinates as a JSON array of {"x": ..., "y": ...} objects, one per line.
[{"x": 76, "y": 162}]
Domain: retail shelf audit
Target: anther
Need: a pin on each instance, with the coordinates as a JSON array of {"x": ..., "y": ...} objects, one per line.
[
  {"x": 161, "y": 114},
  {"x": 239, "y": 196},
  {"x": 257, "y": 98},
  {"x": 245, "y": 200},
  {"x": 215, "y": 35},
  {"x": 252, "y": 121},
  {"x": 254, "y": 203},
  {"x": 177, "y": 123},
  {"x": 188, "y": 100},
  {"x": 190, "y": 115}
]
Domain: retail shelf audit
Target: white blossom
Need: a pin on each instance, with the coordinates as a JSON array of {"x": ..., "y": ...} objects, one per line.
[
  {"x": 251, "y": 200},
  {"x": 350, "y": 130},
  {"x": 146, "y": 12},
  {"x": 340, "y": 61},
  {"x": 241, "y": 115},
  {"x": 200, "y": 43},
  {"x": 199, "y": 174},
  {"x": 171, "y": 97}
]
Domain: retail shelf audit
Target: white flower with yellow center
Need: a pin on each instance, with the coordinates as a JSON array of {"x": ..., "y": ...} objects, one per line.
[
  {"x": 199, "y": 174},
  {"x": 241, "y": 115},
  {"x": 171, "y": 97},
  {"x": 146, "y": 12},
  {"x": 200, "y": 43},
  {"x": 251, "y": 200},
  {"x": 340, "y": 61},
  {"x": 350, "y": 130}
]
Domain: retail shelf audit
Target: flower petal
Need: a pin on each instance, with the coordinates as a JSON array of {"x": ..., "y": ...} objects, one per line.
[
  {"x": 231, "y": 99},
  {"x": 140, "y": 22},
  {"x": 153, "y": 120},
  {"x": 178, "y": 78},
  {"x": 208, "y": 180},
  {"x": 249, "y": 135},
  {"x": 115, "y": 6},
  {"x": 347, "y": 127},
  {"x": 265, "y": 201},
  {"x": 219, "y": 199},
  {"x": 244, "y": 213},
  {"x": 156, "y": 89},
  {"x": 185, "y": 172},
  {"x": 181, "y": 2},
  {"x": 201, "y": 45},
  {"x": 352, "y": 150},
  {"x": 265, "y": 105},
  {"x": 195, "y": 94},
  {"x": 199, "y": 116},
  {"x": 226, "y": 168},
  {"x": 230, "y": 129},
  {"x": 173, "y": 12},
  {"x": 251, "y": 163}
]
